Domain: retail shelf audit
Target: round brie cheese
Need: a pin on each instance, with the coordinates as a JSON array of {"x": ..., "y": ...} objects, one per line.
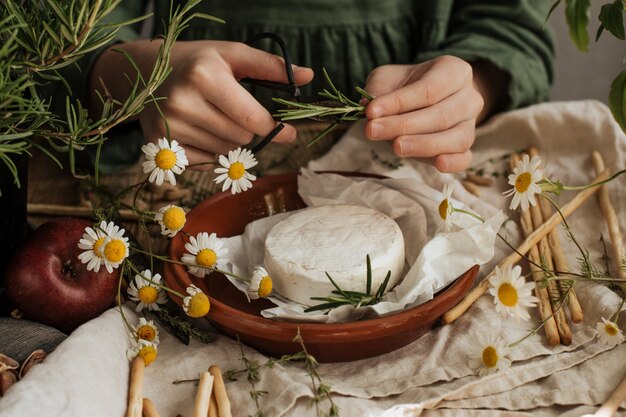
[{"x": 301, "y": 249}]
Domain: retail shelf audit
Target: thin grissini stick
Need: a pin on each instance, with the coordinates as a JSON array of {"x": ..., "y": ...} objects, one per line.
[
  {"x": 219, "y": 392},
  {"x": 471, "y": 187},
  {"x": 213, "y": 406},
  {"x": 536, "y": 214},
  {"x": 544, "y": 306},
  {"x": 36, "y": 209},
  {"x": 544, "y": 253},
  {"x": 135, "y": 396},
  {"x": 203, "y": 397},
  {"x": 610, "y": 216},
  {"x": 149, "y": 410},
  {"x": 561, "y": 265},
  {"x": 458, "y": 310},
  {"x": 479, "y": 179}
]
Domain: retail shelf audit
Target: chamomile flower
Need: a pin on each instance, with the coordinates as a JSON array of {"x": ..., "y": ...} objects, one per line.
[
  {"x": 489, "y": 355},
  {"x": 163, "y": 160},
  {"x": 196, "y": 304},
  {"x": 115, "y": 250},
  {"x": 524, "y": 179},
  {"x": 511, "y": 293},
  {"x": 145, "y": 350},
  {"x": 234, "y": 170},
  {"x": 171, "y": 218},
  {"x": 445, "y": 208},
  {"x": 206, "y": 251},
  {"x": 146, "y": 291},
  {"x": 260, "y": 284},
  {"x": 92, "y": 242},
  {"x": 608, "y": 333},
  {"x": 146, "y": 330},
  {"x": 104, "y": 245}
]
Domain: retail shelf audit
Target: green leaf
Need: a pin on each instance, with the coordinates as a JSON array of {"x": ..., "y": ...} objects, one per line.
[
  {"x": 552, "y": 9},
  {"x": 617, "y": 99},
  {"x": 368, "y": 287},
  {"x": 612, "y": 18},
  {"x": 577, "y": 17}
]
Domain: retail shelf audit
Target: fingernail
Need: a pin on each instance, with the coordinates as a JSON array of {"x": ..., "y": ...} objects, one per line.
[
  {"x": 407, "y": 147},
  {"x": 375, "y": 130},
  {"x": 376, "y": 112}
]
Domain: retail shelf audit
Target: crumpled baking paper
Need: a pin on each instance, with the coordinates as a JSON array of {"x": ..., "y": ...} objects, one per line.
[{"x": 433, "y": 259}]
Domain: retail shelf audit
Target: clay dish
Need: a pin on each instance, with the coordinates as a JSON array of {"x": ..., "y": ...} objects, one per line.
[{"x": 232, "y": 314}]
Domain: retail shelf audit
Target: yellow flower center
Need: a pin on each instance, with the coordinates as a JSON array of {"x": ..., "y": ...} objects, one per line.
[
  {"x": 115, "y": 251},
  {"x": 165, "y": 159},
  {"x": 507, "y": 295},
  {"x": 148, "y": 354},
  {"x": 490, "y": 357},
  {"x": 265, "y": 286},
  {"x": 147, "y": 294},
  {"x": 236, "y": 170},
  {"x": 610, "y": 329},
  {"x": 174, "y": 218},
  {"x": 443, "y": 209},
  {"x": 206, "y": 257},
  {"x": 97, "y": 247},
  {"x": 146, "y": 332},
  {"x": 522, "y": 182},
  {"x": 198, "y": 306}
]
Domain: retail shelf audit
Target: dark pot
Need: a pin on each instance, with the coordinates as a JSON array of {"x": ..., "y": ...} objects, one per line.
[{"x": 13, "y": 215}]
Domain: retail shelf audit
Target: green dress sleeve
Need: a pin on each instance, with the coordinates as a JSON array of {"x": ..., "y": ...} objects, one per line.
[{"x": 508, "y": 33}]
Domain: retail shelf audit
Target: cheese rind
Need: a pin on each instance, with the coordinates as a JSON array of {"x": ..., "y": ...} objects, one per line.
[{"x": 301, "y": 249}]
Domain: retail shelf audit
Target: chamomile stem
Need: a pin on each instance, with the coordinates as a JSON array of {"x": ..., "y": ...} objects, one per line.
[
  {"x": 119, "y": 302},
  {"x": 166, "y": 259},
  {"x": 558, "y": 305},
  {"x": 595, "y": 184},
  {"x": 158, "y": 284},
  {"x": 469, "y": 213}
]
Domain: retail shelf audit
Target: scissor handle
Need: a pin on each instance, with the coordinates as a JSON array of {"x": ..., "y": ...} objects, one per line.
[{"x": 290, "y": 87}]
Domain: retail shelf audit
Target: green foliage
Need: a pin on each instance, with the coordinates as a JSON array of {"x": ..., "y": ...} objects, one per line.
[
  {"x": 617, "y": 99},
  {"x": 577, "y": 17},
  {"x": 611, "y": 19},
  {"x": 37, "y": 39}
]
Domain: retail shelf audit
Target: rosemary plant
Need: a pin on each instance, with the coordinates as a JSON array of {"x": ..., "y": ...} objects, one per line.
[
  {"x": 334, "y": 108},
  {"x": 358, "y": 299},
  {"x": 40, "y": 38}
]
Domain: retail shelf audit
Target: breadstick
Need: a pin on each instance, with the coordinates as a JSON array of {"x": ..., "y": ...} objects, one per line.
[
  {"x": 219, "y": 392},
  {"x": 203, "y": 396},
  {"x": 479, "y": 179},
  {"x": 471, "y": 187},
  {"x": 135, "y": 403},
  {"x": 149, "y": 410},
  {"x": 536, "y": 214},
  {"x": 561, "y": 265},
  {"x": 610, "y": 217},
  {"x": 456, "y": 311},
  {"x": 213, "y": 406}
]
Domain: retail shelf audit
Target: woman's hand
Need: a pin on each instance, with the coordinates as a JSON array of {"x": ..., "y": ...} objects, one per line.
[
  {"x": 427, "y": 110},
  {"x": 207, "y": 110}
]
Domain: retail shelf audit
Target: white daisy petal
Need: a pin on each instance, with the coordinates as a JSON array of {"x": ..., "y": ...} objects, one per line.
[
  {"x": 204, "y": 253},
  {"x": 488, "y": 355},
  {"x": 609, "y": 333},
  {"x": 233, "y": 171},
  {"x": 524, "y": 179},
  {"x": 511, "y": 294}
]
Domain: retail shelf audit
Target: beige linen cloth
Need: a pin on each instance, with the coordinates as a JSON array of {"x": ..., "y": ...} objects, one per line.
[{"x": 88, "y": 374}]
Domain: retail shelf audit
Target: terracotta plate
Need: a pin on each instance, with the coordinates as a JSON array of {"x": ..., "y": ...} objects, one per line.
[{"x": 227, "y": 215}]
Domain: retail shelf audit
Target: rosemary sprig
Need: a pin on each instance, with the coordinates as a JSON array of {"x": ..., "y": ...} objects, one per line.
[
  {"x": 358, "y": 299},
  {"x": 335, "y": 108}
]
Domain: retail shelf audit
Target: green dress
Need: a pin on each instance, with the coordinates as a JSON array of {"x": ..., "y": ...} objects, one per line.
[{"x": 351, "y": 37}]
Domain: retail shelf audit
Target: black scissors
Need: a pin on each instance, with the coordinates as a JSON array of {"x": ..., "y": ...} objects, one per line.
[{"x": 290, "y": 88}]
